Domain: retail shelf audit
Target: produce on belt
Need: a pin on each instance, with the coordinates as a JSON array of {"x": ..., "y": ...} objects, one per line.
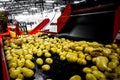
[
  {"x": 79, "y": 48},
  {"x": 95, "y": 44},
  {"x": 18, "y": 52},
  {"x": 93, "y": 72},
  {"x": 98, "y": 74},
  {"x": 13, "y": 45},
  {"x": 81, "y": 61},
  {"x": 14, "y": 73},
  {"x": 45, "y": 67},
  {"x": 88, "y": 57},
  {"x": 49, "y": 60},
  {"x": 101, "y": 62},
  {"x": 114, "y": 46},
  {"x": 112, "y": 65},
  {"x": 59, "y": 51},
  {"x": 71, "y": 57},
  {"x": 115, "y": 74},
  {"x": 75, "y": 77},
  {"x": 27, "y": 72},
  {"x": 34, "y": 50},
  {"x": 114, "y": 56},
  {"x": 62, "y": 57},
  {"x": 96, "y": 52},
  {"x": 53, "y": 49},
  {"x": 39, "y": 61},
  {"x": 12, "y": 64},
  {"x": 89, "y": 49},
  {"x": 30, "y": 51},
  {"x": 11, "y": 69},
  {"x": 106, "y": 51},
  {"x": 81, "y": 54},
  {"x": 93, "y": 57},
  {"x": 63, "y": 53},
  {"x": 21, "y": 56},
  {"x": 20, "y": 77},
  {"x": 29, "y": 56},
  {"x": 108, "y": 46},
  {"x": 45, "y": 50},
  {"x": 117, "y": 70},
  {"x": 7, "y": 52},
  {"x": 39, "y": 53},
  {"x": 47, "y": 54},
  {"x": 29, "y": 64},
  {"x": 94, "y": 68},
  {"x": 87, "y": 70},
  {"x": 90, "y": 76},
  {"x": 9, "y": 56},
  {"x": 118, "y": 50},
  {"x": 114, "y": 60},
  {"x": 20, "y": 63},
  {"x": 111, "y": 75}
]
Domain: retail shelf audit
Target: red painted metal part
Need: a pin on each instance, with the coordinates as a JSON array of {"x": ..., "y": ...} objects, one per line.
[
  {"x": 116, "y": 22},
  {"x": 4, "y": 34},
  {"x": 67, "y": 13},
  {"x": 18, "y": 32},
  {"x": 40, "y": 26},
  {"x": 4, "y": 65},
  {"x": 64, "y": 18}
]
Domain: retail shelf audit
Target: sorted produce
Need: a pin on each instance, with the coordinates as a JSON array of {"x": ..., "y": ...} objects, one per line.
[
  {"x": 45, "y": 67},
  {"x": 29, "y": 64},
  {"x": 75, "y": 77},
  {"x": 27, "y": 72},
  {"x": 39, "y": 61},
  {"x": 101, "y": 62},
  {"x": 49, "y": 60},
  {"x": 51, "y": 55},
  {"x": 90, "y": 76}
]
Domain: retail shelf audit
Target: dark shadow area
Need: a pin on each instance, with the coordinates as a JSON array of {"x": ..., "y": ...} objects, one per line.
[{"x": 94, "y": 26}]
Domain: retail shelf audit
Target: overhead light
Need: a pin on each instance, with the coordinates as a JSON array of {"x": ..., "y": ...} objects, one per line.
[
  {"x": 33, "y": 8},
  {"x": 2, "y": 9},
  {"x": 4, "y": 0},
  {"x": 75, "y": 2},
  {"x": 25, "y": 12},
  {"x": 49, "y": 1}
]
